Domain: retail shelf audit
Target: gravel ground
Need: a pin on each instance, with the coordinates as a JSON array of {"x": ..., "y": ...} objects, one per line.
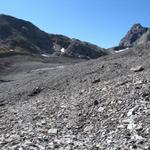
[{"x": 102, "y": 104}]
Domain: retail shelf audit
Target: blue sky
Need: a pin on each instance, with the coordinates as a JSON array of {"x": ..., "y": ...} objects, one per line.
[{"x": 102, "y": 22}]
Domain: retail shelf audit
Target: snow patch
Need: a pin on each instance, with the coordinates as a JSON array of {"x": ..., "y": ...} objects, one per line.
[
  {"x": 45, "y": 55},
  {"x": 54, "y": 46},
  {"x": 11, "y": 50},
  {"x": 42, "y": 69},
  {"x": 47, "y": 69},
  {"x": 60, "y": 67},
  {"x": 122, "y": 50},
  {"x": 63, "y": 50}
]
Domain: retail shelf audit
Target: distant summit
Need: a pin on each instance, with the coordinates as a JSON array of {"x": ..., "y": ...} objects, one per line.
[
  {"x": 135, "y": 36},
  {"x": 22, "y": 37}
]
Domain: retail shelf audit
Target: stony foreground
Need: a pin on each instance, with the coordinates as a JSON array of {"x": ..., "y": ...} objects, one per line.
[{"x": 102, "y": 104}]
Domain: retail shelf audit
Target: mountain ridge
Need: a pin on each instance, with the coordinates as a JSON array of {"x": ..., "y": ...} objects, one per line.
[{"x": 23, "y": 37}]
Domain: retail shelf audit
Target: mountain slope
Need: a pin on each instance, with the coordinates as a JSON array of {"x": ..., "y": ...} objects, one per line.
[
  {"x": 101, "y": 104},
  {"x": 22, "y": 37}
]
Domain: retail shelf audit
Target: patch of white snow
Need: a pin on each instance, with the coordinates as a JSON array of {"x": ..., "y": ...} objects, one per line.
[
  {"x": 45, "y": 55},
  {"x": 122, "y": 50},
  {"x": 60, "y": 67},
  {"x": 62, "y": 50}
]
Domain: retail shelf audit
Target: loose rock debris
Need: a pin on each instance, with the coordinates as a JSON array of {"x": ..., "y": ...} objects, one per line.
[{"x": 80, "y": 115}]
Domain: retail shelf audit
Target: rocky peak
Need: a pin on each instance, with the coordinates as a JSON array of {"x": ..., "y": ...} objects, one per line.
[
  {"x": 137, "y": 26},
  {"x": 133, "y": 36}
]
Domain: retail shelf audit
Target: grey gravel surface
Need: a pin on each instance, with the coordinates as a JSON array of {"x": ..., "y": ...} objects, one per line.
[{"x": 101, "y": 104}]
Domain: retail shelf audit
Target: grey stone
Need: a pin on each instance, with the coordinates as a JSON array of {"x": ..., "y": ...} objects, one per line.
[
  {"x": 52, "y": 131},
  {"x": 137, "y": 69}
]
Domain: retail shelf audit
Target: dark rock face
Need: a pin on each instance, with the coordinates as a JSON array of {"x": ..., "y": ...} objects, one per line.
[
  {"x": 84, "y": 50},
  {"x": 135, "y": 36},
  {"x": 64, "y": 46},
  {"x": 24, "y": 37}
]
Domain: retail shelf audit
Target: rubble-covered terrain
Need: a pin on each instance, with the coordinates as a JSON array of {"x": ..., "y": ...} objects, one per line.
[{"x": 101, "y": 104}]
